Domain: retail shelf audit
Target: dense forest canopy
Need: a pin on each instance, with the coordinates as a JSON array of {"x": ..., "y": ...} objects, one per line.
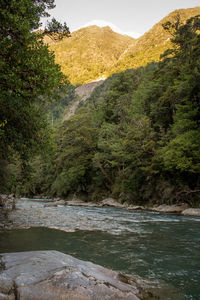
[
  {"x": 137, "y": 138},
  {"x": 28, "y": 80}
]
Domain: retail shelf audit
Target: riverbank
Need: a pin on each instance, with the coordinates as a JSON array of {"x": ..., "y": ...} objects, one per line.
[
  {"x": 76, "y": 214},
  {"x": 155, "y": 246},
  {"x": 52, "y": 275},
  {"x": 8, "y": 202},
  {"x": 39, "y": 213},
  {"x": 183, "y": 208}
]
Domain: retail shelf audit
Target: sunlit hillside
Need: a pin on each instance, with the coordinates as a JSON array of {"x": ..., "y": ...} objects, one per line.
[
  {"x": 153, "y": 43},
  {"x": 93, "y": 52},
  {"x": 89, "y": 53}
]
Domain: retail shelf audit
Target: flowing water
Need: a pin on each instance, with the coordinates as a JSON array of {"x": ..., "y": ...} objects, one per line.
[{"x": 159, "y": 247}]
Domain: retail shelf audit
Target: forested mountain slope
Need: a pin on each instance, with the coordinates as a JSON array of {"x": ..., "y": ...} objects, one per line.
[
  {"x": 89, "y": 53},
  {"x": 153, "y": 43},
  {"x": 93, "y": 52},
  {"x": 138, "y": 137}
]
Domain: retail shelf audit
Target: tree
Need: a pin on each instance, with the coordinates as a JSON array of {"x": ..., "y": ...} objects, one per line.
[
  {"x": 28, "y": 76},
  {"x": 75, "y": 147},
  {"x": 183, "y": 150}
]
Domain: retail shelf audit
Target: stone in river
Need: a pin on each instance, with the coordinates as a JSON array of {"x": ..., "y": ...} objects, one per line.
[{"x": 51, "y": 275}]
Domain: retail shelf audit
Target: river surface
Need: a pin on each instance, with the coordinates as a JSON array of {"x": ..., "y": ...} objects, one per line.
[{"x": 158, "y": 247}]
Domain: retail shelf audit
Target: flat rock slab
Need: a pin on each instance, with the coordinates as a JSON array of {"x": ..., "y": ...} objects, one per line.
[{"x": 51, "y": 275}]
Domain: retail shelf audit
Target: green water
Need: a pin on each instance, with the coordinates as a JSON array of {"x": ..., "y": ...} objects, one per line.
[{"x": 164, "y": 248}]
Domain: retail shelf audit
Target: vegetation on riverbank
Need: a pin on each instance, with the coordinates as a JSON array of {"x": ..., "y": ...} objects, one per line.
[
  {"x": 137, "y": 138},
  {"x": 29, "y": 80}
]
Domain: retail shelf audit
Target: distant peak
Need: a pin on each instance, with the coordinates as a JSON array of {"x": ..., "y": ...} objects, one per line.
[
  {"x": 110, "y": 26},
  {"x": 107, "y": 27}
]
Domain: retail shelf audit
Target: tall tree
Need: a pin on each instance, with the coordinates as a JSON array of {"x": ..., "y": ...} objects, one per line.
[{"x": 28, "y": 75}]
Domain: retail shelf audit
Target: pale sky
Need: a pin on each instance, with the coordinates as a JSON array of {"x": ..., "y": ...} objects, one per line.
[{"x": 132, "y": 17}]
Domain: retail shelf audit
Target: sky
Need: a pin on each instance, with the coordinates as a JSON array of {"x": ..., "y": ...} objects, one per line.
[{"x": 131, "y": 17}]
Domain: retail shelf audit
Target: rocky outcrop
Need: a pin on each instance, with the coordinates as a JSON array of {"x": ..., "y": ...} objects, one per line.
[
  {"x": 191, "y": 212},
  {"x": 83, "y": 92},
  {"x": 51, "y": 275}
]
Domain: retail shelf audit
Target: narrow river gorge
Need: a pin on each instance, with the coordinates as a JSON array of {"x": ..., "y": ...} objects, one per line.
[{"x": 163, "y": 248}]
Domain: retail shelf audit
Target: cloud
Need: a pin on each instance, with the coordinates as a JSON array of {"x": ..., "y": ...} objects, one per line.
[{"x": 103, "y": 23}]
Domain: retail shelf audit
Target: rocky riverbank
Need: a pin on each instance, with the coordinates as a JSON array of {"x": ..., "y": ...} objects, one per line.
[
  {"x": 8, "y": 203},
  {"x": 52, "y": 275},
  {"x": 43, "y": 214},
  {"x": 183, "y": 208}
]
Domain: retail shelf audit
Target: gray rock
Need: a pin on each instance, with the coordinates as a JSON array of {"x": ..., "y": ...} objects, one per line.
[
  {"x": 51, "y": 275},
  {"x": 191, "y": 212}
]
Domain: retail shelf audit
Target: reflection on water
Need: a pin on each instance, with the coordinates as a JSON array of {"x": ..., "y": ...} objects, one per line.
[{"x": 154, "y": 246}]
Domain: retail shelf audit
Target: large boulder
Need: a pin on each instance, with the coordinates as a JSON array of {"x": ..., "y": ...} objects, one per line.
[{"x": 51, "y": 275}]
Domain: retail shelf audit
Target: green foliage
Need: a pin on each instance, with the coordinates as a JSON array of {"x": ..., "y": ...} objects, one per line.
[
  {"x": 57, "y": 108},
  {"x": 29, "y": 77},
  {"x": 138, "y": 136},
  {"x": 56, "y": 30},
  {"x": 75, "y": 146}
]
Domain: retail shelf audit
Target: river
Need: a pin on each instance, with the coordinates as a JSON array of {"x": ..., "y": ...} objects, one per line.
[{"x": 158, "y": 247}]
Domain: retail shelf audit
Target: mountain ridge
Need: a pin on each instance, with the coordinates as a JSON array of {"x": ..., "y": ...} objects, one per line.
[
  {"x": 93, "y": 52},
  {"x": 155, "y": 41},
  {"x": 89, "y": 52}
]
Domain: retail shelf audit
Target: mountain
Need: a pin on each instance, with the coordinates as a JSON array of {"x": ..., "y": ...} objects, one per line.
[
  {"x": 94, "y": 52},
  {"x": 89, "y": 53},
  {"x": 153, "y": 43}
]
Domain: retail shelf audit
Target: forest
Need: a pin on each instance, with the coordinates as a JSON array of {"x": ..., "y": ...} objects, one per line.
[{"x": 137, "y": 138}]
